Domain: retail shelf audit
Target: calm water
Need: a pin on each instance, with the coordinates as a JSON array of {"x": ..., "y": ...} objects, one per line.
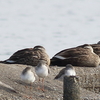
[{"x": 54, "y": 24}]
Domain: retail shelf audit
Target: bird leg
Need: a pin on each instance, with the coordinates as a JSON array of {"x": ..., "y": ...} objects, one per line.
[
  {"x": 42, "y": 85},
  {"x": 30, "y": 85},
  {"x": 26, "y": 86},
  {"x": 39, "y": 88},
  {"x": 39, "y": 85}
]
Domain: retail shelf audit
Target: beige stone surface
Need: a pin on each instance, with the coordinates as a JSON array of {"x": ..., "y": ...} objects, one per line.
[{"x": 12, "y": 87}]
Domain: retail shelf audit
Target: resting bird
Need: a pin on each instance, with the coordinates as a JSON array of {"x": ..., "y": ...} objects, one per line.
[
  {"x": 42, "y": 70},
  {"x": 96, "y": 47},
  {"x": 68, "y": 71},
  {"x": 27, "y": 75},
  {"x": 29, "y": 56},
  {"x": 79, "y": 56}
]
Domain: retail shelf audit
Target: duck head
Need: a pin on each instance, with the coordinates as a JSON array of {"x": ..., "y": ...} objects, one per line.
[
  {"x": 89, "y": 47},
  {"x": 38, "y": 47}
]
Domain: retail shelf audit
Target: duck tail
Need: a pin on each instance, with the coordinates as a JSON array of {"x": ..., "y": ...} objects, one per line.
[
  {"x": 2, "y": 61},
  {"x": 56, "y": 62},
  {"x": 7, "y": 62},
  {"x": 52, "y": 62}
]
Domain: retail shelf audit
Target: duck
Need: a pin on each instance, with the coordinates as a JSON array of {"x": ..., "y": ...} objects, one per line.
[
  {"x": 42, "y": 70},
  {"x": 68, "y": 71},
  {"x": 96, "y": 47},
  {"x": 82, "y": 56},
  {"x": 29, "y": 56}
]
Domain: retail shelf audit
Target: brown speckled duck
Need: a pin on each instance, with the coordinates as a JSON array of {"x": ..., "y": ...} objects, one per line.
[
  {"x": 96, "y": 47},
  {"x": 29, "y": 56},
  {"x": 79, "y": 56}
]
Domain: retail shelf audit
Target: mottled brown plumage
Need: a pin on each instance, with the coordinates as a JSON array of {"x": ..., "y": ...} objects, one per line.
[
  {"x": 78, "y": 56},
  {"x": 29, "y": 56},
  {"x": 96, "y": 47}
]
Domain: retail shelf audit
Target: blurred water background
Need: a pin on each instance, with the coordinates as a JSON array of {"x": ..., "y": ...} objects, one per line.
[{"x": 54, "y": 24}]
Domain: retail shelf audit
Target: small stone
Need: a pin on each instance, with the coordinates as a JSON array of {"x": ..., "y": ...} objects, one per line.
[
  {"x": 47, "y": 97},
  {"x": 58, "y": 98},
  {"x": 85, "y": 98},
  {"x": 42, "y": 95},
  {"x": 54, "y": 88}
]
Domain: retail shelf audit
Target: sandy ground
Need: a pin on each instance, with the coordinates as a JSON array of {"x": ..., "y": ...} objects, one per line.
[{"x": 12, "y": 88}]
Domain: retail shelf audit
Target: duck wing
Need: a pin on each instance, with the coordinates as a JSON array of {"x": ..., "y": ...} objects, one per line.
[{"x": 21, "y": 54}]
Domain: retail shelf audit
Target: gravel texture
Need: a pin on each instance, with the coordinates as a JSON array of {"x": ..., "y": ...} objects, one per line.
[{"x": 13, "y": 88}]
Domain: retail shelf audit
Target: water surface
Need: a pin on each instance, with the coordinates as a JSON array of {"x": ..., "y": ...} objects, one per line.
[{"x": 54, "y": 24}]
